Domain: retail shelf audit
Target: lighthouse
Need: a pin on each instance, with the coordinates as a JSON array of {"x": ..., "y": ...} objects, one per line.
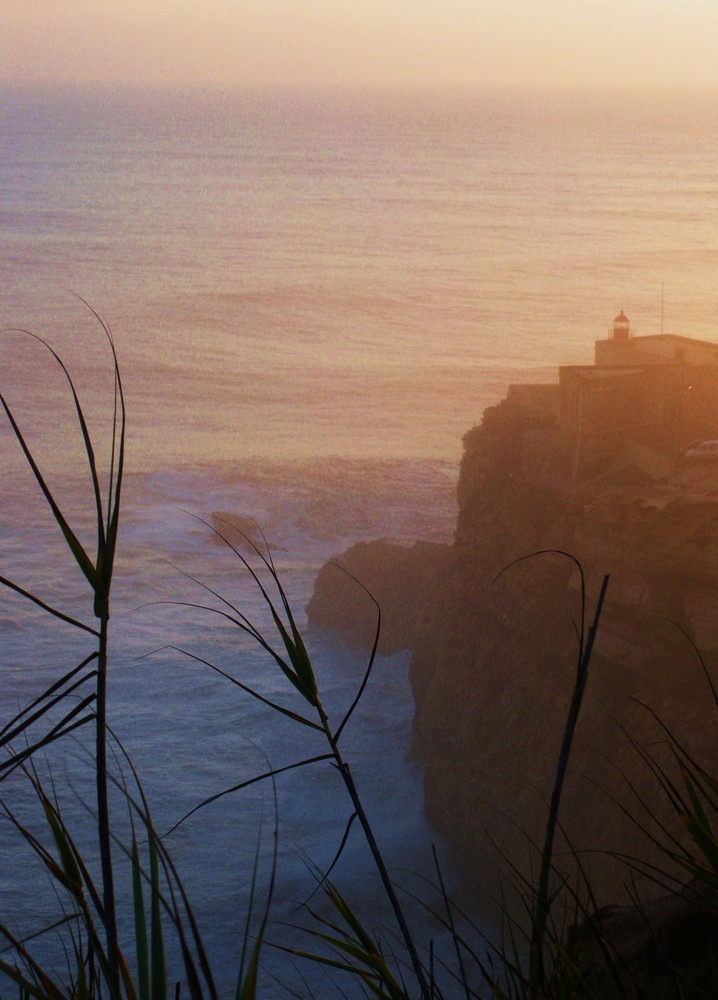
[{"x": 621, "y": 327}]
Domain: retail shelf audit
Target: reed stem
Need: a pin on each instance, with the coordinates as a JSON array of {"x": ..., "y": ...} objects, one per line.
[
  {"x": 103, "y": 813},
  {"x": 345, "y": 772},
  {"x": 543, "y": 905}
]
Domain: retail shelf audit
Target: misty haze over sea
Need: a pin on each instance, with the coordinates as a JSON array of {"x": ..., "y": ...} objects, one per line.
[
  {"x": 351, "y": 274},
  {"x": 313, "y": 296}
]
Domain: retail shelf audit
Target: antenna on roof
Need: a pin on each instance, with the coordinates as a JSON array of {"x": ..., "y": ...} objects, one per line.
[{"x": 662, "y": 285}]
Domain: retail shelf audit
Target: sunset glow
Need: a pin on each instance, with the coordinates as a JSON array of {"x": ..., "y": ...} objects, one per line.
[
  {"x": 334, "y": 42},
  {"x": 330, "y": 295}
]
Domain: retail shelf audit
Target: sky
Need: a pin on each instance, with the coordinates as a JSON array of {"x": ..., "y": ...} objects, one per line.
[{"x": 407, "y": 43}]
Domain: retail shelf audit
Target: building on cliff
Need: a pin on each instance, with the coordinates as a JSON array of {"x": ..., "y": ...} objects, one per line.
[{"x": 642, "y": 400}]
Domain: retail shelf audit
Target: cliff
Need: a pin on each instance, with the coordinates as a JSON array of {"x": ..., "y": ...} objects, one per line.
[{"x": 494, "y": 644}]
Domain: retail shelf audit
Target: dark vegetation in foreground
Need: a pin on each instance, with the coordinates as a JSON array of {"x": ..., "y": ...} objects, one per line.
[{"x": 560, "y": 947}]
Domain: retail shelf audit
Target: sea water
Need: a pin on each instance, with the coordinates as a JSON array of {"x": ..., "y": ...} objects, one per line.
[{"x": 313, "y": 296}]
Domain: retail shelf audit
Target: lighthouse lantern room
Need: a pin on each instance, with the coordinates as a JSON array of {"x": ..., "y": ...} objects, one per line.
[{"x": 621, "y": 327}]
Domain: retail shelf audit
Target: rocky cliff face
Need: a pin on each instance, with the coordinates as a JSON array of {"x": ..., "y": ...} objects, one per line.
[
  {"x": 494, "y": 644},
  {"x": 402, "y": 579}
]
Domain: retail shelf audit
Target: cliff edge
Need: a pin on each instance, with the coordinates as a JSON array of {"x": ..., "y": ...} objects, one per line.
[{"x": 493, "y": 639}]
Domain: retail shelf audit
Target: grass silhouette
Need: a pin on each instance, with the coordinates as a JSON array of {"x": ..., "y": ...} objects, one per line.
[{"x": 534, "y": 960}]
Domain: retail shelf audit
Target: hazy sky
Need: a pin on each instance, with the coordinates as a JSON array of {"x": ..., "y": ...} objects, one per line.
[{"x": 405, "y": 42}]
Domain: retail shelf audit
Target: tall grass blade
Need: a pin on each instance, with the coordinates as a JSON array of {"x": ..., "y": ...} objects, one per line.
[
  {"x": 73, "y": 543},
  {"x": 43, "y": 989},
  {"x": 301, "y": 719},
  {"x": 141, "y": 947},
  {"x": 245, "y": 784},
  {"x": 372, "y": 654},
  {"x": 65, "y": 726},
  {"x": 247, "y": 925},
  {"x": 87, "y": 441},
  {"x": 543, "y": 903},
  {"x": 15, "y": 725},
  {"x": 46, "y": 607},
  {"x": 72, "y": 878},
  {"x": 247, "y": 985},
  {"x": 451, "y": 924},
  {"x": 322, "y": 879},
  {"x": 159, "y": 966},
  {"x": 303, "y": 676}
]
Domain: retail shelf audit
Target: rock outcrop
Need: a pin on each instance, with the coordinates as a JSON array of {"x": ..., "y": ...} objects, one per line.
[
  {"x": 402, "y": 580},
  {"x": 494, "y": 646}
]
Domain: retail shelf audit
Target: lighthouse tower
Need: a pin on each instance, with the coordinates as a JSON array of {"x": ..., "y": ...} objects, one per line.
[{"x": 621, "y": 327}]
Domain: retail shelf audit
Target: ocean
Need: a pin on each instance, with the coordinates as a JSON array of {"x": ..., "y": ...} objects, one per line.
[{"x": 313, "y": 296}]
